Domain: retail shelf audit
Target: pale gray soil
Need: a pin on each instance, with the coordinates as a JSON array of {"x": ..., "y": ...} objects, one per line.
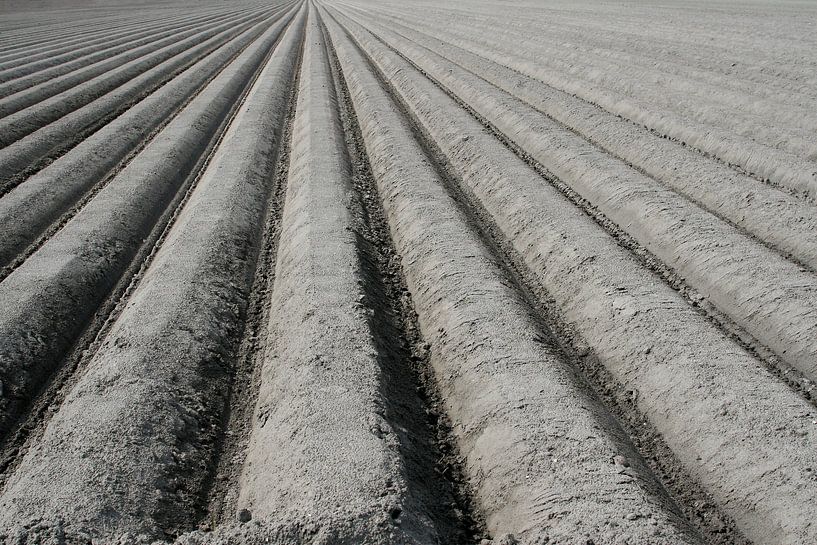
[{"x": 358, "y": 272}]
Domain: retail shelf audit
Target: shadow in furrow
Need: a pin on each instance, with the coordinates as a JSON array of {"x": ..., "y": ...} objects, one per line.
[
  {"x": 412, "y": 405},
  {"x": 689, "y": 498},
  {"x": 221, "y": 491}
]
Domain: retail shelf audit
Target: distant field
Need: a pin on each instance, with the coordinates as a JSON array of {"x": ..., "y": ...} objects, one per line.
[{"x": 363, "y": 272}]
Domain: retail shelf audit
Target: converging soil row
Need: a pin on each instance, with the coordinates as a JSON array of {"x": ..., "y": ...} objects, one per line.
[{"x": 332, "y": 271}]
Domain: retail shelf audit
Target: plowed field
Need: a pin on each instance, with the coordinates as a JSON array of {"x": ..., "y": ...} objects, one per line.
[{"x": 364, "y": 272}]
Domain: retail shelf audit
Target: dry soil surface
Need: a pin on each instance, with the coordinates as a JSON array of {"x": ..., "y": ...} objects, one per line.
[{"x": 370, "y": 272}]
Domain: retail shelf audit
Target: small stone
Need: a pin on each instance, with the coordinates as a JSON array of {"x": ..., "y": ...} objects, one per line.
[
  {"x": 631, "y": 516},
  {"x": 244, "y": 515},
  {"x": 620, "y": 460},
  {"x": 507, "y": 539}
]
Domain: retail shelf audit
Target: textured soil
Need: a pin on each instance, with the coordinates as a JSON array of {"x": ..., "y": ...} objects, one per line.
[{"x": 357, "y": 272}]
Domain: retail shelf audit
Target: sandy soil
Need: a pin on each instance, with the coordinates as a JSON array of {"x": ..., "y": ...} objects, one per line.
[{"x": 357, "y": 272}]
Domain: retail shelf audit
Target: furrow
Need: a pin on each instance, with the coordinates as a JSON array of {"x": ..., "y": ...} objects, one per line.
[
  {"x": 100, "y": 27},
  {"x": 23, "y": 49},
  {"x": 681, "y": 368},
  {"x": 32, "y": 211},
  {"x": 541, "y": 38},
  {"x": 774, "y": 218},
  {"x": 522, "y": 416},
  {"x": 91, "y": 51},
  {"x": 679, "y": 40},
  {"x": 222, "y": 491},
  {"x": 369, "y": 272},
  {"x": 755, "y": 118},
  {"x": 772, "y": 299},
  {"x": 58, "y": 74},
  {"x": 785, "y": 169},
  {"x": 27, "y": 111},
  {"x": 616, "y": 47},
  {"x": 319, "y": 340},
  {"x": 778, "y": 367},
  {"x": 51, "y": 297},
  {"x": 433, "y": 461},
  {"x": 31, "y": 153},
  {"x": 150, "y": 415},
  {"x": 94, "y": 24}
]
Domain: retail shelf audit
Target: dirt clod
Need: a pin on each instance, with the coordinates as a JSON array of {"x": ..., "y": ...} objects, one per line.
[{"x": 244, "y": 515}]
